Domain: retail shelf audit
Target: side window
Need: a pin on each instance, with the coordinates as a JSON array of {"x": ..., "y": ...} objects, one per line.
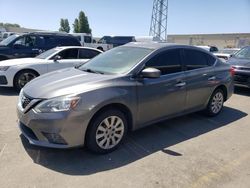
[
  {"x": 87, "y": 39},
  {"x": 87, "y": 54},
  {"x": 27, "y": 41},
  {"x": 168, "y": 62},
  {"x": 195, "y": 59},
  {"x": 69, "y": 54}
]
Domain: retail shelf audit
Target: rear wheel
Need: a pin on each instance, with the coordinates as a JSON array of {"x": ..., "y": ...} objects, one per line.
[
  {"x": 23, "y": 77},
  {"x": 215, "y": 104},
  {"x": 107, "y": 131}
]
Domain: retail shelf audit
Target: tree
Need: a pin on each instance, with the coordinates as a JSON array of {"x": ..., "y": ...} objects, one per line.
[
  {"x": 83, "y": 24},
  {"x": 75, "y": 26},
  {"x": 9, "y": 25},
  {"x": 64, "y": 25}
]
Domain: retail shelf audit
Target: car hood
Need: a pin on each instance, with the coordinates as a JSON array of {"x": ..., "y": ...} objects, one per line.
[
  {"x": 3, "y": 47},
  {"x": 239, "y": 62},
  {"x": 21, "y": 61},
  {"x": 65, "y": 82}
]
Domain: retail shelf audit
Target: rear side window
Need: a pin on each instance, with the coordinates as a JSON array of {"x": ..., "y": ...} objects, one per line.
[
  {"x": 167, "y": 62},
  {"x": 87, "y": 39},
  {"x": 195, "y": 59},
  {"x": 67, "y": 41},
  {"x": 87, "y": 53},
  {"x": 69, "y": 54}
]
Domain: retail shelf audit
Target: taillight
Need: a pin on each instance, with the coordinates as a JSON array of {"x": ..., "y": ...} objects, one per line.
[{"x": 232, "y": 71}]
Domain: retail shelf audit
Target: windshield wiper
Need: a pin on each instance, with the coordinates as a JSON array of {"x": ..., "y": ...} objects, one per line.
[{"x": 92, "y": 71}]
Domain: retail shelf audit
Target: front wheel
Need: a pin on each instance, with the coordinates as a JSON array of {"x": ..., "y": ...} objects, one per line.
[
  {"x": 215, "y": 103},
  {"x": 107, "y": 131},
  {"x": 23, "y": 77}
]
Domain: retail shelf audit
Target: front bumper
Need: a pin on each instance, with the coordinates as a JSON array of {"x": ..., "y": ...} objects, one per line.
[{"x": 54, "y": 130}]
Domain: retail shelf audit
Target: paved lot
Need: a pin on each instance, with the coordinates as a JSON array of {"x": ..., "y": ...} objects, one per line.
[{"x": 191, "y": 151}]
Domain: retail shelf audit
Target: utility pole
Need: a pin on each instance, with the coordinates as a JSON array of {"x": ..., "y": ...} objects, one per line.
[{"x": 159, "y": 19}]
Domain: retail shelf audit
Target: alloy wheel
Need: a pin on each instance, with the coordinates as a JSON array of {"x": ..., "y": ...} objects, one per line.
[
  {"x": 24, "y": 78},
  {"x": 217, "y": 102},
  {"x": 110, "y": 132}
]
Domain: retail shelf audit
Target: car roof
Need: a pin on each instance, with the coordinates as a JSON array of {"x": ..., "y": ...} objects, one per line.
[
  {"x": 153, "y": 45},
  {"x": 149, "y": 45},
  {"x": 69, "y": 47}
]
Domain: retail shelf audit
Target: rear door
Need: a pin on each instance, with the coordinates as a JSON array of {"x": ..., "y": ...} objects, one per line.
[
  {"x": 200, "y": 77},
  {"x": 160, "y": 97}
]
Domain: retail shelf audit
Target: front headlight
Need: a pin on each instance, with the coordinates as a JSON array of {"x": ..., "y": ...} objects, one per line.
[
  {"x": 4, "y": 68},
  {"x": 58, "y": 104}
]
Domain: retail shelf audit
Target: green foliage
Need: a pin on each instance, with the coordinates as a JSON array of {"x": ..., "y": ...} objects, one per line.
[
  {"x": 8, "y": 25},
  {"x": 75, "y": 26},
  {"x": 64, "y": 25},
  {"x": 81, "y": 25}
]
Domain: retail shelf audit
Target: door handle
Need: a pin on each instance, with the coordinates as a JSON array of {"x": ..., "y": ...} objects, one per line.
[
  {"x": 180, "y": 84},
  {"x": 211, "y": 78}
]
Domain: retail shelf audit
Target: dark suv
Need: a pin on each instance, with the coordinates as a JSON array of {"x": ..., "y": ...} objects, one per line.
[{"x": 32, "y": 44}]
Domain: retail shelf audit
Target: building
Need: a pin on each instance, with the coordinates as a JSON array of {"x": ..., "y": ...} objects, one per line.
[{"x": 232, "y": 40}]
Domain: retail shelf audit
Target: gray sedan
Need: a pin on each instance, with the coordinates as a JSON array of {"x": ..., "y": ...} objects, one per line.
[{"x": 123, "y": 89}]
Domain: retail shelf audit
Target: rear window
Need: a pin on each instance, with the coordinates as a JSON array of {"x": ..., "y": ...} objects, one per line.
[
  {"x": 87, "y": 53},
  {"x": 195, "y": 59}
]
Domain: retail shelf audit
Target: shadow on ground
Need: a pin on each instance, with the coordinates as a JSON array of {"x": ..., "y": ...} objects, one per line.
[
  {"x": 8, "y": 91},
  {"x": 138, "y": 144},
  {"x": 242, "y": 91}
]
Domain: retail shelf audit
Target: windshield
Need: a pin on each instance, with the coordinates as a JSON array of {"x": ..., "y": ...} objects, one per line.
[
  {"x": 47, "y": 54},
  {"x": 116, "y": 61},
  {"x": 243, "y": 53},
  {"x": 8, "y": 40}
]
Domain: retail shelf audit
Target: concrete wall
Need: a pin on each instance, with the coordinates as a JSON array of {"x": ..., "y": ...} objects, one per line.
[{"x": 235, "y": 40}]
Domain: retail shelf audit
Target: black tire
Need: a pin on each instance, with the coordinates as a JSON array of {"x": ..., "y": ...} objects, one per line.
[
  {"x": 20, "y": 75},
  {"x": 215, "y": 104},
  {"x": 95, "y": 129}
]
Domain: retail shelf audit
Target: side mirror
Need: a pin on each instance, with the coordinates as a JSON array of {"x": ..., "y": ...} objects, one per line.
[
  {"x": 57, "y": 57},
  {"x": 232, "y": 55},
  {"x": 151, "y": 73}
]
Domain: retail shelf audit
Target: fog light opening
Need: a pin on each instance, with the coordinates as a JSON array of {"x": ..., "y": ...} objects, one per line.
[{"x": 54, "y": 138}]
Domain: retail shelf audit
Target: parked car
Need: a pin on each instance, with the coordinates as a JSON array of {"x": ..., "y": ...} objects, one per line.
[
  {"x": 18, "y": 72},
  {"x": 116, "y": 40},
  {"x": 240, "y": 61},
  {"x": 5, "y": 35},
  {"x": 32, "y": 44},
  {"x": 226, "y": 53},
  {"x": 212, "y": 49},
  {"x": 87, "y": 40},
  {"x": 123, "y": 89}
]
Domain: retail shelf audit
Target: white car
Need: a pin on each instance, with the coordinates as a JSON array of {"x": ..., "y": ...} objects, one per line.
[
  {"x": 226, "y": 53},
  {"x": 18, "y": 72}
]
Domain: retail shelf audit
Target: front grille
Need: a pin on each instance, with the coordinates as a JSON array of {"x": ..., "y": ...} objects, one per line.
[
  {"x": 26, "y": 130},
  {"x": 25, "y": 101}
]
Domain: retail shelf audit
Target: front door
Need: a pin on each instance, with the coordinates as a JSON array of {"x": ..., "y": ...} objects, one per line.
[
  {"x": 66, "y": 59},
  {"x": 25, "y": 46},
  {"x": 164, "y": 96}
]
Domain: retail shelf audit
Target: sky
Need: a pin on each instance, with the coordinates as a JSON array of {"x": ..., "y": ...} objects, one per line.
[{"x": 131, "y": 17}]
